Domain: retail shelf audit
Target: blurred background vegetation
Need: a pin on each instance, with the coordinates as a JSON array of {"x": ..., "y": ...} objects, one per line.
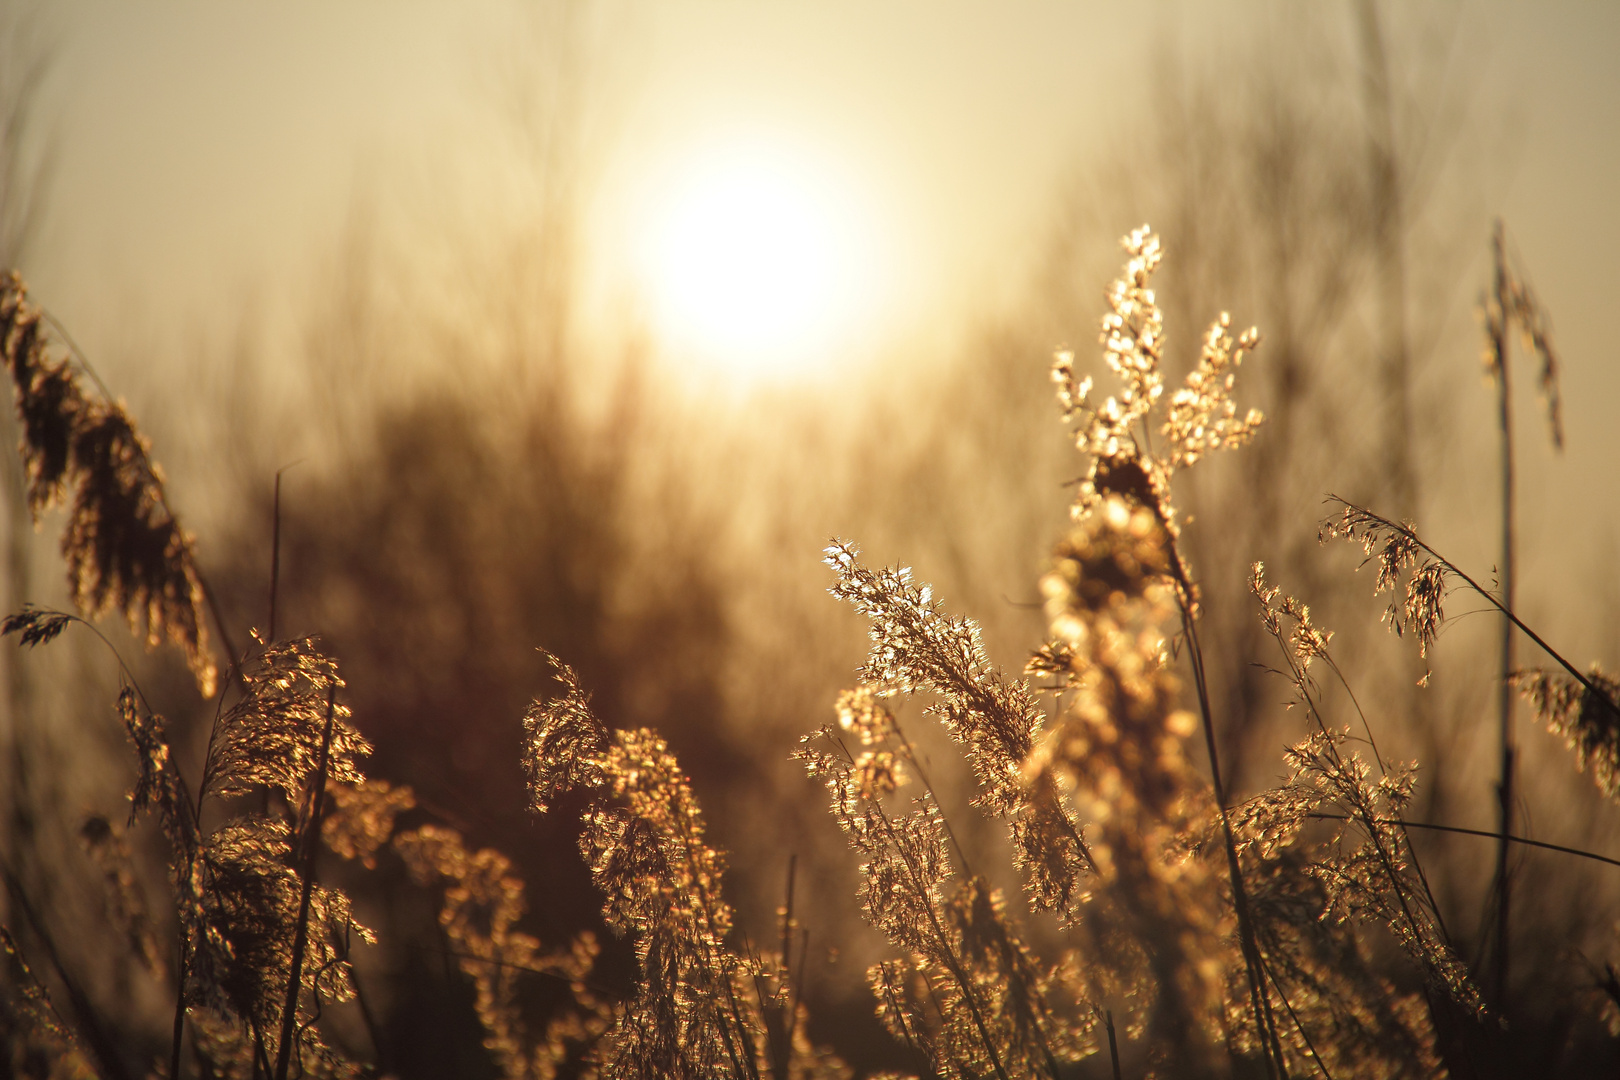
[{"x": 381, "y": 253}]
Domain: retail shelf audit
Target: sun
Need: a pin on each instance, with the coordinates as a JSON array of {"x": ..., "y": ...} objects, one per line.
[{"x": 757, "y": 264}]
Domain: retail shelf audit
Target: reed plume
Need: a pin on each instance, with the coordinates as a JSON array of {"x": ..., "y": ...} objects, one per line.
[
  {"x": 1146, "y": 930},
  {"x": 1586, "y": 713},
  {"x": 483, "y": 902},
  {"x": 967, "y": 991},
  {"x": 1583, "y": 707},
  {"x": 1242, "y": 928},
  {"x": 700, "y": 1007},
  {"x": 250, "y": 974},
  {"x": 1155, "y": 932},
  {"x": 124, "y": 549},
  {"x": 1364, "y": 872},
  {"x": 1116, "y": 583}
]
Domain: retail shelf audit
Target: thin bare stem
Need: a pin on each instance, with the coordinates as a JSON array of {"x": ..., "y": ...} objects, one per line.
[
  {"x": 73, "y": 348},
  {"x": 785, "y": 1054},
  {"x": 179, "y": 1030},
  {"x": 797, "y": 986},
  {"x": 1113, "y": 1042},
  {"x": 1497, "y": 329},
  {"x": 275, "y": 552},
  {"x": 1487, "y": 834},
  {"x": 275, "y": 557},
  {"x": 1249, "y": 943}
]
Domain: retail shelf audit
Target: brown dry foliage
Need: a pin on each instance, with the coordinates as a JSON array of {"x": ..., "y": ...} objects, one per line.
[{"x": 123, "y": 547}]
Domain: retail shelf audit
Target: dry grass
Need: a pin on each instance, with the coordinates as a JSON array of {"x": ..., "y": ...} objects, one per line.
[{"x": 1163, "y": 927}]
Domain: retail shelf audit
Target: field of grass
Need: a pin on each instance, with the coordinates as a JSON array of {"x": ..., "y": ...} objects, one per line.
[{"x": 1062, "y": 877}]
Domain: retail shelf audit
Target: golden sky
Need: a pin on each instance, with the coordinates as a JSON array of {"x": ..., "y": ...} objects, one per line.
[
  {"x": 206, "y": 144},
  {"x": 209, "y": 153}
]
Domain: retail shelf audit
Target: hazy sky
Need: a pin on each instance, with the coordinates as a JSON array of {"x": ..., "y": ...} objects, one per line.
[
  {"x": 208, "y": 145},
  {"x": 204, "y": 145},
  {"x": 211, "y": 151}
]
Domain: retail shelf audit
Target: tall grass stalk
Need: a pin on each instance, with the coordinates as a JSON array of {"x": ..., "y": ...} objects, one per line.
[{"x": 1511, "y": 303}]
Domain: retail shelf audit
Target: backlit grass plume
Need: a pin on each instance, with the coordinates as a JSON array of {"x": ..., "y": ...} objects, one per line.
[
  {"x": 1363, "y": 871},
  {"x": 483, "y": 901},
  {"x": 1148, "y": 927},
  {"x": 123, "y": 547},
  {"x": 1586, "y": 713},
  {"x": 1116, "y": 433},
  {"x": 1155, "y": 924},
  {"x": 700, "y": 1007},
  {"x": 965, "y": 991},
  {"x": 32, "y": 1032},
  {"x": 1290, "y": 933},
  {"x": 919, "y": 648},
  {"x": 1116, "y": 582},
  {"x": 262, "y": 945},
  {"x": 1583, "y": 707}
]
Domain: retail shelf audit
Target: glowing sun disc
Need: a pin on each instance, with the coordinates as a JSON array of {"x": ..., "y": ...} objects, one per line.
[{"x": 752, "y": 267}]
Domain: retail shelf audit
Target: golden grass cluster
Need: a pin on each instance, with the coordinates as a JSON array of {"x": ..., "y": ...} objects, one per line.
[{"x": 1160, "y": 923}]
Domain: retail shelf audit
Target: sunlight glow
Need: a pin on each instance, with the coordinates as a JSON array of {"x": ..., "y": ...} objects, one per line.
[{"x": 757, "y": 266}]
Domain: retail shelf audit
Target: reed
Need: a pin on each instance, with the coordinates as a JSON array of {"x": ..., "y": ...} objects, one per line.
[{"x": 1187, "y": 930}]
